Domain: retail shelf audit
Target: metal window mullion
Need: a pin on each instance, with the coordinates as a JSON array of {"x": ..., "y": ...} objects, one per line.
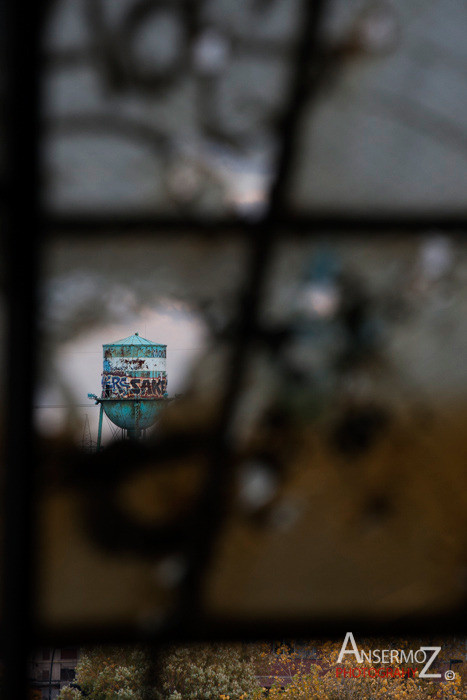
[
  {"x": 213, "y": 503},
  {"x": 22, "y": 225}
]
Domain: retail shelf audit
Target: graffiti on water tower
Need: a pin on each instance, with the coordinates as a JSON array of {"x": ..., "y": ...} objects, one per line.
[
  {"x": 120, "y": 386},
  {"x": 127, "y": 363}
]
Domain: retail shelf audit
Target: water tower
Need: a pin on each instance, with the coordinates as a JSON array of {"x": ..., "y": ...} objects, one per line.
[{"x": 134, "y": 384}]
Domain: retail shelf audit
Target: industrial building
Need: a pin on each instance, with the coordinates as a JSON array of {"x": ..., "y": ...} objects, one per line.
[{"x": 50, "y": 669}]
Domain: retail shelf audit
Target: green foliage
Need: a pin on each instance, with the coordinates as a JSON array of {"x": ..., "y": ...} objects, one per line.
[
  {"x": 106, "y": 673},
  {"x": 207, "y": 672},
  {"x": 69, "y": 693},
  {"x": 197, "y": 672}
]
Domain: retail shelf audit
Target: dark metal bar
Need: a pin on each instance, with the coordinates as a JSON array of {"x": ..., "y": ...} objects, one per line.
[
  {"x": 210, "y": 629},
  {"x": 293, "y": 224},
  {"x": 22, "y": 219},
  {"x": 51, "y": 671},
  {"x": 213, "y": 503}
]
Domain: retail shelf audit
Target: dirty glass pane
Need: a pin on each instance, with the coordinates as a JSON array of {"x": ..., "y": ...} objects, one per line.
[
  {"x": 165, "y": 107},
  {"x": 351, "y": 482},
  {"x": 174, "y": 294},
  {"x": 386, "y": 132},
  {"x": 346, "y": 438}
]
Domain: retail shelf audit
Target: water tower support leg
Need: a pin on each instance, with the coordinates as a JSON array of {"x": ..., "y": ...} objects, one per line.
[{"x": 99, "y": 431}]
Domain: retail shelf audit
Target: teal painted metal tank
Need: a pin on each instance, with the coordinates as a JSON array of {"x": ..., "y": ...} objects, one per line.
[
  {"x": 134, "y": 383},
  {"x": 133, "y": 415}
]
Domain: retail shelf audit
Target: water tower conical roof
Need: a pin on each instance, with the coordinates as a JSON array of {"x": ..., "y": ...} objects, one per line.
[{"x": 134, "y": 339}]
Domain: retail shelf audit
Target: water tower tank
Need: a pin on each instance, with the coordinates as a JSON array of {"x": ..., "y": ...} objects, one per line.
[{"x": 134, "y": 383}]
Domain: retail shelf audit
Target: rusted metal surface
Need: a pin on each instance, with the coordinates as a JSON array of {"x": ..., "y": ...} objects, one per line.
[
  {"x": 131, "y": 414},
  {"x": 134, "y": 383},
  {"x": 134, "y": 368}
]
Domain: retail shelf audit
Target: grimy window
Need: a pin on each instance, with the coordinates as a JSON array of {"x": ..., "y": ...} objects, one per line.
[{"x": 274, "y": 189}]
